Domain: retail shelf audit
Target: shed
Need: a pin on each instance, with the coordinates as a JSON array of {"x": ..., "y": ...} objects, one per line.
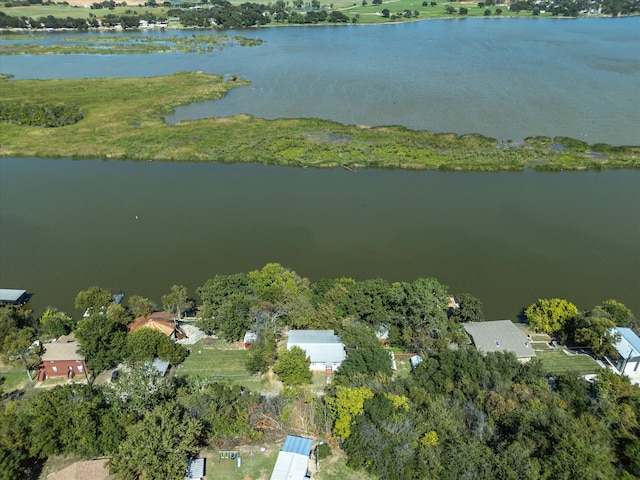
[
  {"x": 195, "y": 469},
  {"x": 500, "y": 336},
  {"x": 323, "y": 347},
  {"x": 293, "y": 459}
]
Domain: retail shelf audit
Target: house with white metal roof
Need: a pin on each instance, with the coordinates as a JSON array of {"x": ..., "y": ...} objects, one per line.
[
  {"x": 293, "y": 459},
  {"x": 628, "y": 347},
  {"x": 500, "y": 336},
  {"x": 323, "y": 347}
]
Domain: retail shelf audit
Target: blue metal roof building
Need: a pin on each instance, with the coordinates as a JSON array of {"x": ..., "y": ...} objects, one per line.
[
  {"x": 628, "y": 348},
  {"x": 293, "y": 459}
]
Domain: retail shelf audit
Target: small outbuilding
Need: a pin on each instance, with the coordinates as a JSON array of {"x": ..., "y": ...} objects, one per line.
[
  {"x": 323, "y": 347},
  {"x": 293, "y": 459},
  {"x": 500, "y": 336},
  {"x": 195, "y": 469}
]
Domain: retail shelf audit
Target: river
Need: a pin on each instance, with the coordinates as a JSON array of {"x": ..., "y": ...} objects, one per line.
[{"x": 508, "y": 238}]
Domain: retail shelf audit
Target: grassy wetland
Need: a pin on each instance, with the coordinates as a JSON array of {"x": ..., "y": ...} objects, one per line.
[
  {"x": 123, "y": 119},
  {"x": 125, "y": 44}
]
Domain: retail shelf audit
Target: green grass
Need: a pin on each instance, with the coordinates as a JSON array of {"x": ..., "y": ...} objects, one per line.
[
  {"x": 556, "y": 361},
  {"x": 223, "y": 360},
  {"x": 123, "y": 120},
  {"x": 122, "y": 44},
  {"x": 15, "y": 378},
  {"x": 255, "y": 465}
]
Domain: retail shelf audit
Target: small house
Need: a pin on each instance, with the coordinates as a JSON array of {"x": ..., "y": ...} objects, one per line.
[
  {"x": 323, "y": 347},
  {"x": 500, "y": 336},
  {"x": 628, "y": 348},
  {"x": 61, "y": 359},
  {"x": 293, "y": 459}
]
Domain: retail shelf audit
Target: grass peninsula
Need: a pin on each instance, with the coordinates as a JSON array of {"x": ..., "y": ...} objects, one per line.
[{"x": 123, "y": 119}]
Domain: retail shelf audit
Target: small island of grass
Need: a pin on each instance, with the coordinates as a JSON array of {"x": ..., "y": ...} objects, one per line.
[{"x": 123, "y": 119}]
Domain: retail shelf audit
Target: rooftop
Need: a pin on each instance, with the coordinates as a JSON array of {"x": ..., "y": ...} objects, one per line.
[
  {"x": 322, "y": 346},
  {"x": 11, "y": 295},
  {"x": 293, "y": 459},
  {"x": 500, "y": 336},
  {"x": 631, "y": 339},
  {"x": 60, "y": 351}
]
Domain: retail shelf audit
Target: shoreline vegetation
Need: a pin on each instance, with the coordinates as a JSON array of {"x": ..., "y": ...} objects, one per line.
[
  {"x": 28, "y": 16},
  {"x": 128, "y": 44},
  {"x": 122, "y": 118}
]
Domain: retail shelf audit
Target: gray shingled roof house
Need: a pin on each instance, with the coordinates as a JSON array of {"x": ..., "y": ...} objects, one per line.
[
  {"x": 500, "y": 336},
  {"x": 323, "y": 347}
]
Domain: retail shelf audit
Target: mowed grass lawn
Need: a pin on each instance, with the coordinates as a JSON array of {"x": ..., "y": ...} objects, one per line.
[
  {"x": 556, "y": 361},
  {"x": 14, "y": 378},
  {"x": 219, "y": 360}
]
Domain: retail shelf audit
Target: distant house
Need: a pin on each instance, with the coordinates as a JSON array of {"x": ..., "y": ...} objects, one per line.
[
  {"x": 500, "y": 336},
  {"x": 13, "y": 296},
  {"x": 293, "y": 459},
  {"x": 61, "y": 359},
  {"x": 323, "y": 347},
  {"x": 160, "y": 321},
  {"x": 628, "y": 348}
]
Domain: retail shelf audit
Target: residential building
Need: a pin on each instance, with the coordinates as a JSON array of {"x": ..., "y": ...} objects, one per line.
[
  {"x": 61, "y": 359},
  {"x": 628, "y": 348},
  {"x": 323, "y": 347},
  {"x": 500, "y": 336}
]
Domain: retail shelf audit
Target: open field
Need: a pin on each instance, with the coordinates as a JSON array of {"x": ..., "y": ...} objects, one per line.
[
  {"x": 363, "y": 13},
  {"x": 122, "y": 119},
  {"x": 221, "y": 360},
  {"x": 556, "y": 361},
  {"x": 121, "y": 44}
]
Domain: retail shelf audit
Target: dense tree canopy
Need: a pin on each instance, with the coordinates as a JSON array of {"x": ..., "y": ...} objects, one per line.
[{"x": 550, "y": 315}]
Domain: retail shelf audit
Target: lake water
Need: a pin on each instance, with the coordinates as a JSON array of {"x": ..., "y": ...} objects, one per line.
[
  {"x": 504, "y": 78},
  {"x": 508, "y": 238}
]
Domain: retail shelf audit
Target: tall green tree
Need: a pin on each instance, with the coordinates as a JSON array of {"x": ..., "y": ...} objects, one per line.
[
  {"x": 102, "y": 339},
  {"x": 140, "y": 306},
  {"x": 594, "y": 330},
  {"x": 292, "y": 367},
  {"x": 470, "y": 309},
  {"x": 56, "y": 323},
  {"x": 93, "y": 298},
  {"x": 18, "y": 349},
  {"x": 177, "y": 300},
  {"x": 550, "y": 315},
  {"x": 157, "y": 447}
]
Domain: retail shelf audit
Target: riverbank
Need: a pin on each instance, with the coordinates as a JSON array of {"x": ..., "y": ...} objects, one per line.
[{"x": 123, "y": 119}]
